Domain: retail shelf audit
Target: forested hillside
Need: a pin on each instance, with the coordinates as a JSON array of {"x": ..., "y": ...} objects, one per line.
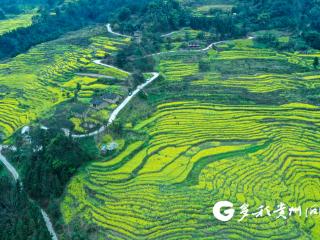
[
  {"x": 57, "y": 17},
  {"x": 299, "y": 16},
  {"x": 19, "y": 218}
]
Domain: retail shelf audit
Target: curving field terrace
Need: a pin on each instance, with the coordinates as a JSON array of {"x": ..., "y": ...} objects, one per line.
[
  {"x": 14, "y": 22},
  {"x": 246, "y": 130},
  {"x": 34, "y": 82},
  {"x": 196, "y": 154}
]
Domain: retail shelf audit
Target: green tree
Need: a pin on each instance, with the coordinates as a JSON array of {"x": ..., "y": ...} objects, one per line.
[
  {"x": 312, "y": 38},
  {"x": 315, "y": 62},
  {"x": 76, "y": 91},
  {"x": 47, "y": 170},
  {"x": 187, "y": 36},
  {"x": 201, "y": 35},
  {"x": 78, "y": 87},
  {"x": 138, "y": 78},
  {"x": 124, "y": 14},
  {"x": 20, "y": 219},
  {"x": 268, "y": 39},
  {"x": 204, "y": 66}
]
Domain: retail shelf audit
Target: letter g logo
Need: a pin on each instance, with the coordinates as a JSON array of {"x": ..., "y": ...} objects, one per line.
[{"x": 227, "y": 214}]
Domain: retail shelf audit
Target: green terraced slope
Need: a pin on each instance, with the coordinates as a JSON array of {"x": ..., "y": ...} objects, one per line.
[
  {"x": 246, "y": 131},
  {"x": 12, "y": 23},
  {"x": 32, "y": 83},
  {"x": 197, "y": 154}
]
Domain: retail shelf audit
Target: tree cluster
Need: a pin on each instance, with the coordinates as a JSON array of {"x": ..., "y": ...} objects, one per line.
[
  {"x": 298, "y": 16},
  {"x": 52, "y": 23},
  {"x": 20, "y": 219},
  {"x": 48, "y": 162},
  {"x": 156, "y": 16}
]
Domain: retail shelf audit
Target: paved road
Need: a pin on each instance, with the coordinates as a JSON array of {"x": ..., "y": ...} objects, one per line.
[
  {"x": 99, "y": 62},
  {"x": 94, "y": 75},
  {"x": 169, "y": 34},
  {"x": 125, "y": 102},
  {"x": 116, "y": 112},
  {"x": 115, "y": 33},
  {"x": 8, "y": 165},
  {"x": 16, "y": 177},
  {"x": 210, "y": 46}
]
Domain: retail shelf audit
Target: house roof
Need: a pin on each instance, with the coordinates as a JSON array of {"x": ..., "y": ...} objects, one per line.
[
  {"x": 109, "y": 96},
  {"x": 78, "y": 108},
  {"x": 112, "y": 146},
  {"x": 96, "y": 101}
]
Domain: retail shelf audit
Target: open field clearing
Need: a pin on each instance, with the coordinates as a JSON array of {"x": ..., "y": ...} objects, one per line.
[
  {"x": 32, "y": 83},
  {"x": 205, "y": 6}
]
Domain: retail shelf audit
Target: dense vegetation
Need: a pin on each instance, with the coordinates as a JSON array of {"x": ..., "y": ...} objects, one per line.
[
  {"x": 298, "y": 16},
  {"x": 15, "y": 7},
  {"x": 48, "y": 160},
  {"x": 19, "y": 218},
  {"x": 294, "y": 14},
  {"x": 161, "y": 16},
  {"x": 51, "y": 23},
  {"x": 156, "y": 16}
]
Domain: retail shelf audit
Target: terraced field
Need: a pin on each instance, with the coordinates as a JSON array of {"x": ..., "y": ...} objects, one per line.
[
  {"x": 15, "y": 22},
  {"x": 32, "y": 83},
  {"x": 246, "y": 130},
  {"x": 176, "y": 70},
  {"x": 197, "y": 154}
]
